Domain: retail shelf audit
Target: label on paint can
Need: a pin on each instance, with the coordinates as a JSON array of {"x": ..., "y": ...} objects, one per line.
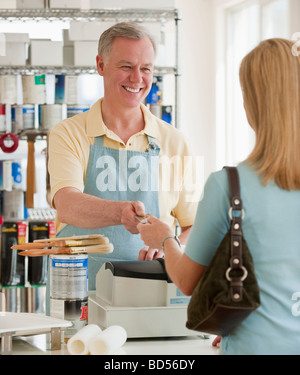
[
  {"x": 9, "y": 89},
  {"x": 69, "y": 290},
  {"x": 16, "y": 118},
  {"x": 69, "y": 276},
  {"x": 71, "y": 89},
  {"x": 2, "y": 118},
  {"x": 22, "y": 117},
  {"x": 28, "y": 116},
  {"x": 34, "y": 89},
  {"x": 73, "y": 110},
  {"x": 16, "y": 172}
]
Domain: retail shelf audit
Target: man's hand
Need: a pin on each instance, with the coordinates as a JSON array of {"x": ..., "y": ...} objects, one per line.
[
  {"x": 128, "y": 218},
  {"x": 149, "y": 253}
]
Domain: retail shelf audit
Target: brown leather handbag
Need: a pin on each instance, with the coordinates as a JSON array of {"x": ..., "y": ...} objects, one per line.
[{"x": 228, "y": 291}]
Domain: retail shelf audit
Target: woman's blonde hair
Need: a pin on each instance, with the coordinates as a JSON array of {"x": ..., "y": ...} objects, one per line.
[{"x": 270, "y": 81}]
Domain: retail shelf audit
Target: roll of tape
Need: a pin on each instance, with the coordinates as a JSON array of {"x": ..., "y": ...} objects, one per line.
[{"x": 12, "y": 137}]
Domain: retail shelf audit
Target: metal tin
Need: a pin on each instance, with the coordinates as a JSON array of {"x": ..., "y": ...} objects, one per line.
[
  {"x": 51, "y": 114},
  {"x": 22, "y": 117},
  {"x": 8, "y": 87},
  {"x": 34, "y": 89},
  {"x": 69, "y": 290},
  {"x": 66, "y": 89},
  {"x": 13, "y": 205}
]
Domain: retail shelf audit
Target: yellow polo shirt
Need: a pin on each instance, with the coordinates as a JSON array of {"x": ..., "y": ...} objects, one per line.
[{"x": 69, "y": 147}]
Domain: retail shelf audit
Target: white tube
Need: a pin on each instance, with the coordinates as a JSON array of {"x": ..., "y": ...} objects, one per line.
[
  {"x": 79, "y": 343},
  {"x": 109, "y": 340}
]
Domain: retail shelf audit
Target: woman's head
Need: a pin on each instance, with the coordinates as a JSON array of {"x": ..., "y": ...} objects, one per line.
[{"x": 270, "y": 81}]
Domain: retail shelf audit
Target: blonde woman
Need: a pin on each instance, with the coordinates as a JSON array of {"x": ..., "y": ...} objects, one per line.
[{"x": 270, "y": 190}]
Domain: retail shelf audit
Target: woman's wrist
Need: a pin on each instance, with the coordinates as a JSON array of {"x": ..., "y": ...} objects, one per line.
[{"x": 167, "y": 237}]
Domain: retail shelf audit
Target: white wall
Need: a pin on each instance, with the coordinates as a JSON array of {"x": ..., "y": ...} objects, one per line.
[{"x": 197, "y": 118}]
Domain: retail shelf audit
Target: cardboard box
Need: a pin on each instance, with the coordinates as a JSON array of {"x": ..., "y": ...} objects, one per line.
[
  {"x": 8, "y": 4},
  {"x": 14, "y": 54},
  {"x": 68, "y": 55},
  {"x": 119, "y": 4},
  {"x": 30, "y": 4},
  {"x": 17, "y": 37},
  {"x": 128, "y": 4},
  {"x": 75, "y": 4},
  {"x": 85, "y": 53},
  {"x": 46, "y": 53},
  {"x": 87, "y": 30}
]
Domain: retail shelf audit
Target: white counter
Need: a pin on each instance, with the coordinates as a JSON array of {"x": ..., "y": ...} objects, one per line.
[{"x": 192, "y": 345}]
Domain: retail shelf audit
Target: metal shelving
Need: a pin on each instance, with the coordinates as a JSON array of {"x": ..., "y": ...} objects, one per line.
[
  {"x": 114, "y": 14},
  {"x": 71, "y": 69},
  {"x": 105, "y": 15}
]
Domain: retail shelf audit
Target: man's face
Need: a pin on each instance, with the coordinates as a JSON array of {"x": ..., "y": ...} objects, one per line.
[{"x": 128, "y": 71}]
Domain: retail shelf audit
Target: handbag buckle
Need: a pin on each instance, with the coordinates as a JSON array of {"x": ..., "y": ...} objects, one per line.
[
  {"x": 230, "y": 213},
  {"x": 243, "y": 277}
]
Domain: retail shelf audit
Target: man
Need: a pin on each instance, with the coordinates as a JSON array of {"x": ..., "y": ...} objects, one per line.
[{"x": 104, "y": 164}]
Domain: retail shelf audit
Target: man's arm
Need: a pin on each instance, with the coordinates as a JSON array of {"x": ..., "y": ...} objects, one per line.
[{"x": 86, "y": 211}]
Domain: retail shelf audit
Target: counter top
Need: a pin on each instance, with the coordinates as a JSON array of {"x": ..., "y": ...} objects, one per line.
[{"x": 190, "y": 345}]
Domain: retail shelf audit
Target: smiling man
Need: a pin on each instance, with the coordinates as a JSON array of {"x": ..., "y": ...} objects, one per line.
[{"x": 104, "y": 164}]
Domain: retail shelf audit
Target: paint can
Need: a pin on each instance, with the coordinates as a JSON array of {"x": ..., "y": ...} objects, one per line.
[
  {"x": 34, "y": 89},
  {"x": 2, "y": 118},
  {"x": 73, "y": 110},
  {"x": 22, "y": 117},
  {"x": 69, "y": 290},
  {"x": 17, "y": 176},
  {"x": 71, "y": 89},
  {"x": 66, "y": 89},
  {"x": 13, "y": 205},
  {"x": 156, "y": 110},
  {"x": 51, "y": 114},
  {"x": 59, "y": 92},
  {"x": 8, "y": 89}
]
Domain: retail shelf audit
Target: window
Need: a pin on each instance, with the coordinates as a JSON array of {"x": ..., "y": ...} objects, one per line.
[{"x": 245, "y": 24}]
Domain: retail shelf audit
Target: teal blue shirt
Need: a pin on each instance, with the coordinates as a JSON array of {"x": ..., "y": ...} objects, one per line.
[{"x": 271, "y": 228}]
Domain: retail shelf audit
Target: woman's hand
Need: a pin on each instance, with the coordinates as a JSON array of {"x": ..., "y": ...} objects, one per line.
[{"x": 153, "y": 232}]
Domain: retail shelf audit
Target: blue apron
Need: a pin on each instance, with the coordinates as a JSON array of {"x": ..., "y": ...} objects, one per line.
[{"x": 121, "y": 175}]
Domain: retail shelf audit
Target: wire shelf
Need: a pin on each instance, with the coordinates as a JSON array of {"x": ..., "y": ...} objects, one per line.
[{"x": 135, "y": 15}]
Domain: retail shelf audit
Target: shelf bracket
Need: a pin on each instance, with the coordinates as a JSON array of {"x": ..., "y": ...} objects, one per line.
[{"x": 6, "y": 343}]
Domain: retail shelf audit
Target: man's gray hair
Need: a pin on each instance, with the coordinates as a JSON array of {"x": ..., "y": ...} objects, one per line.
[{"x": 128, "y": 30}]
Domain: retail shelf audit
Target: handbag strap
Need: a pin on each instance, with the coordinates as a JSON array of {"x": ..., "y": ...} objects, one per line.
[{"x": 236, "y": 259}]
